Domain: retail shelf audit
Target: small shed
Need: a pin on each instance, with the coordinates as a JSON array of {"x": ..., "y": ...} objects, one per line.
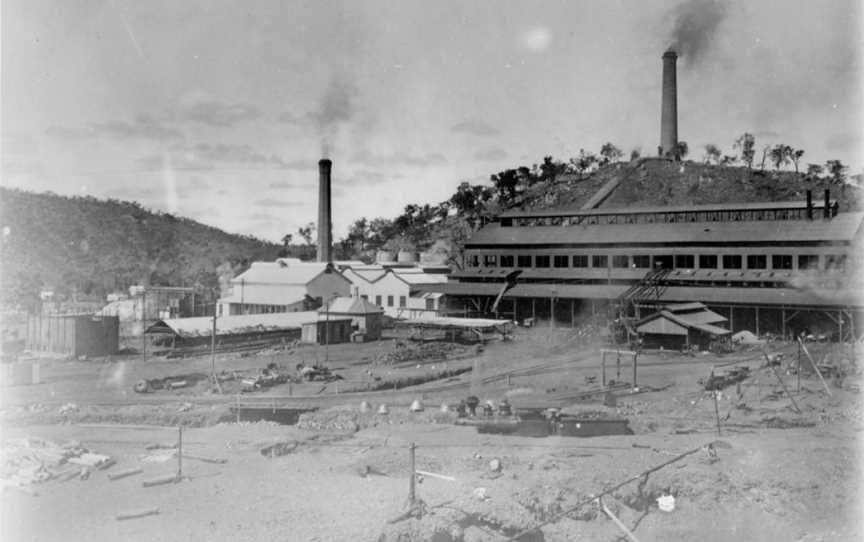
[
  {"x": 76, "y": 335},
  {"x": 681, "y": 329},
  {"x": 366, "y": 317},
  {"x": 324, "y": 331}
]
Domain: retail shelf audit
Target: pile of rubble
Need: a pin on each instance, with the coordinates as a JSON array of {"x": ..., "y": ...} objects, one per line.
[
  {"x": 410, "y": 352},
  {"x": 28, "y": 461}
]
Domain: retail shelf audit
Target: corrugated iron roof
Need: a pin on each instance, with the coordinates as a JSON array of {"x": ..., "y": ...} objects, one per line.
[
  {"x": 202, "y": 326},
  {"x": 746, "y": 206},
  {"x": 683, "y": 320},
  {"x": 841, "y": 228},
  {"x": 713, "y": 295},
  {"x": 283, "y": 295},
  {"x": 293, "y": 273},
  {"x": 455, "y": 322},
  {"x": 350, "y": 305}
]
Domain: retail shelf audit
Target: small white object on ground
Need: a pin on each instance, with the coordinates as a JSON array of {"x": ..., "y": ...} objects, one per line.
[
  {"x": 444, "y": 407},
  {"x": 480, "y": 493},
  {"x": 383, "y": 409},
  {"x": 365, "y": 407},
  {"x": 416, "y": 406},
  {"x": 666, "y": 503}
]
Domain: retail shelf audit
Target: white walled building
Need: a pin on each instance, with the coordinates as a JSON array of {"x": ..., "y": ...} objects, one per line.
[
  {"x": 397, "y": 290},
  {"x": 286, "y": 285}
]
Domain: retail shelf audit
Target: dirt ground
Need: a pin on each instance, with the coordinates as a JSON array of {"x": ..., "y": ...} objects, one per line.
[{"x": 772, "y": 474}]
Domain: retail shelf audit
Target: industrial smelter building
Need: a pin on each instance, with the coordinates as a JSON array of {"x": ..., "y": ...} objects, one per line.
[{"x": 776, "y": 267}]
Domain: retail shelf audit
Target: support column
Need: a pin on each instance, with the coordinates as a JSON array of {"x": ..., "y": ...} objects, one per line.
[
  {"x": 552, "y": 312},
  {"x": 572, "y": 313},
  {"x": 783, "y": 319},
  {"x": 534, "y": 309},
  {"x": 757, "y": 320},
  {"x": 731, "y": 319}
]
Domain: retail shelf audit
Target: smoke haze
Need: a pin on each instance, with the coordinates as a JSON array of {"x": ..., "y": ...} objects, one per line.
[{"x": 695, "y": 25}]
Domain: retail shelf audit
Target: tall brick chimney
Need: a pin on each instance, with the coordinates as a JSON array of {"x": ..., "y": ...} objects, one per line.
[
  {"x": 325, "y": 224},
  {"x": 669, "y": 107}
]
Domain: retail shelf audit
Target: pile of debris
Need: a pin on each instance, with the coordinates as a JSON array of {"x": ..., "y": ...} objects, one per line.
[
  {"x": 409, "y": 352},
  {"x": 28, "y": 461}
]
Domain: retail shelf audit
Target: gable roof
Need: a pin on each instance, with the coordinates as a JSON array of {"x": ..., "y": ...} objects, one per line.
[
  {"x": 684, "y": 321},
  {"x": 283, "y": 271}
]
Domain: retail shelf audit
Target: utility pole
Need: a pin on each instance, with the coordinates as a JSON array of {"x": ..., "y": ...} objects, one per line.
[
  {"x": 213, "y": 356},
  {"x": 143, "y": 324},
  {"x": 327, "y": 332}
]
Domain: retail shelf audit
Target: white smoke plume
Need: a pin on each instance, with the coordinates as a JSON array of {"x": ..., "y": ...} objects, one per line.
[{"x": 695, "y": 25}]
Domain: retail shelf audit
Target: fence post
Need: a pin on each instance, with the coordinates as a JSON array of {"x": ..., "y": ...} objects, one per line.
[
  {"x": 179, "y": 452},
  {"x": 413, "y": 475}
]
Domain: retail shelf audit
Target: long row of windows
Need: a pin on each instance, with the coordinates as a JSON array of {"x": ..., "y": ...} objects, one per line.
[{"x": 645, "y": 261}]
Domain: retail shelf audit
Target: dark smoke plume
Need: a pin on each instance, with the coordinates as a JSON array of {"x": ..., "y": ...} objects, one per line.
[
  {"x": 336, "y": 108},
  {"x": 696, "y": 23}
]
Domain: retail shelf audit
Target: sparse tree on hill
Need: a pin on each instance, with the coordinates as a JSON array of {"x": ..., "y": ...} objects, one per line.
[
  {"x": 610, "y": 153},
  {"x": 728, "y": 160},
  {"x": 779, "y": 155},
  {"x": 286, "y": 239},
  {"x": 635, "y": 154},
  {"x": 747, "y": 144},
  {"x": 815, "y": 171},
  {"x": 765, "y": 151},
  {"x": 307, "y": 232},
  {"x": 712, "y": 154},
  {"x": 550, "y": 169},
  {"x": 681, "y": 150},
  {"x": 584, "y": 163},
  {"x": 505, "y": 184},
  {"x": 795, "y": 156},
  {"x": 837, "y": 171}
]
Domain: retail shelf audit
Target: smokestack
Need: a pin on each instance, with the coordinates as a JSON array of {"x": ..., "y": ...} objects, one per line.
[
  {"x": 669, "y": 107},
  {"x": 325, "y": 225},
  {"x": 826, "y": 212},
  {"x": 809, "y": 205}
]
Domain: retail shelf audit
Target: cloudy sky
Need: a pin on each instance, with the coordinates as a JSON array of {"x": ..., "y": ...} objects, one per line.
[{"x": 219, "y": 110}]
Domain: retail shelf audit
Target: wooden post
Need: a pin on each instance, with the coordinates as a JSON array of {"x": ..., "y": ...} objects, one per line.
[
  {"x": 731, "y": 319},
  {"x": 634, "y": 371},
  {"x": 237, "y": 406},
  {"x": 572, "y": 313},
  {"x": 618, "y": 367},
  {"x": 179, "y": 452},
  {"x": 798, "y": 370},
  {"x": 782, "y": 384},
  {"x": 603, "y": 368},
  {"x": 716, "y": 408},
  {"x": 413, "y": 475},
  {"x": 143, "y": 324},
  {"x": 534, "y": 310},
  {"x": 552, "y": 312},
  {"x": 815, "y": 368}
]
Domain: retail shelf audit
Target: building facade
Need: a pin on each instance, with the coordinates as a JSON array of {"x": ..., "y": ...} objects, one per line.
[{"x": 767, "y": 267}]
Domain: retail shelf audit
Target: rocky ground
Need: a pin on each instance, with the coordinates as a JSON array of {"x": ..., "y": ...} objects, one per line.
[{"x": 773, "y": 473}]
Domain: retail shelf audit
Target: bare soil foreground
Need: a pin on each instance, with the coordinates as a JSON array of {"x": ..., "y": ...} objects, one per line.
[{"x": 785, "y": 466}]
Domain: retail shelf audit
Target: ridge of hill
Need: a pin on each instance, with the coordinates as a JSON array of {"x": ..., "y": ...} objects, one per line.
[
  {"x": 92, "y": 247},
  {"x": 660, "y": 182}
]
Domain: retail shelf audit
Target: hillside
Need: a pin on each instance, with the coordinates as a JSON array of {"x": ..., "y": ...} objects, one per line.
[
  {"x": 92, "y": 247},
  {"x": 654, "y": 182}
]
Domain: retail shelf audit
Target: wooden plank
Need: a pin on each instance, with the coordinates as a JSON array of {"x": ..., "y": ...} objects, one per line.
[
  {"x": 124, "y": 473},
  {"x": 167, "y": 479},
  {"x": 132, "y": 514}
]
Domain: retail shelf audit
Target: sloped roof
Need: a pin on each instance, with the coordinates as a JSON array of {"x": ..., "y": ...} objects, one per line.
[
  {"x": 696, "y": 312},
  {"x": 280, "y": 272},
  {"x": 283, "y": 295},
  {"x": 685, "y": 321},
  {"x": 351, "y": 305},
  {"x": 419, "y": 277},
  {"x": 842, "y": 228},
  {"x": 369, "y": 274},
  {"x": 201, "y": 326},
  {"x": 749, "y": 206}
]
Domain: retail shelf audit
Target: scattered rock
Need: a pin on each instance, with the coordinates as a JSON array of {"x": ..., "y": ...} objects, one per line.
[
  {"x": 480, "y": 493},
  {"x": 495, "y": 465}
]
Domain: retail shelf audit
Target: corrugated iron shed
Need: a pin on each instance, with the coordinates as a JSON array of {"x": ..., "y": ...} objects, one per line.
[
  {"x": 748, "y": 206},
  {"x": 232, "y": 325}
]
